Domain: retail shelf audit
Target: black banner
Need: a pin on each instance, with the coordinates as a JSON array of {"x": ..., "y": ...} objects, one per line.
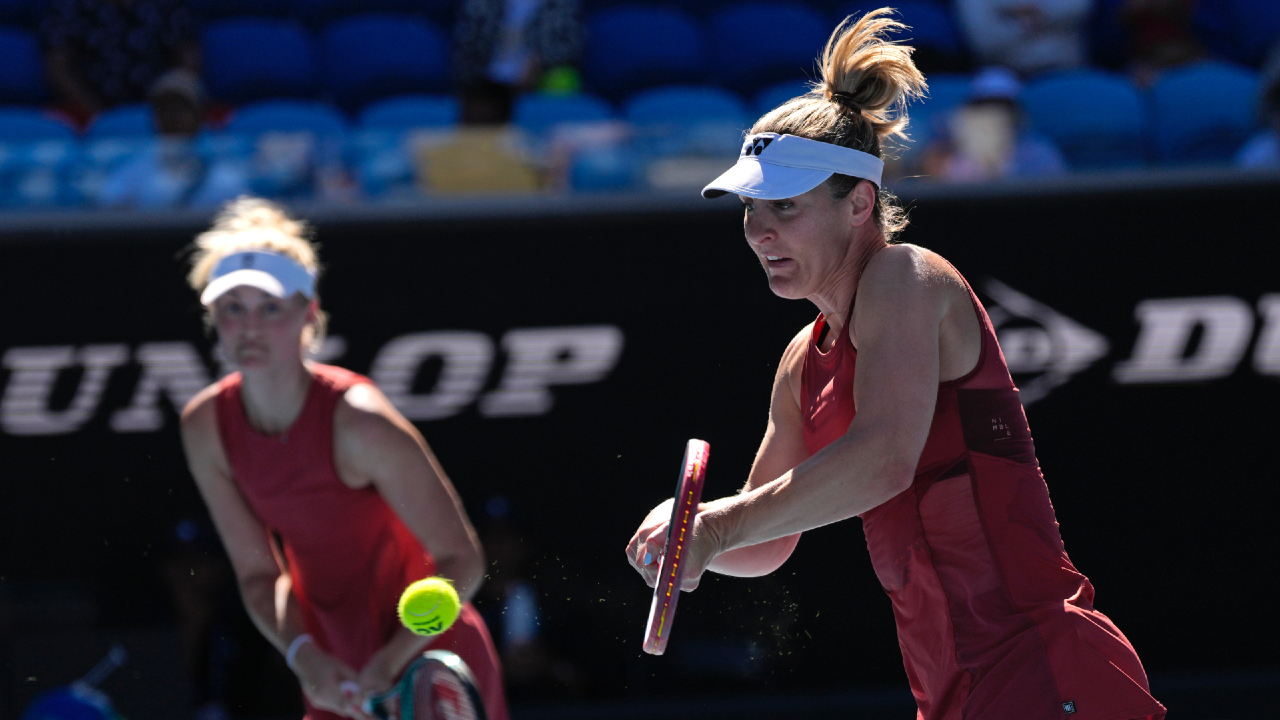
[{"x": 559, "y": 363}]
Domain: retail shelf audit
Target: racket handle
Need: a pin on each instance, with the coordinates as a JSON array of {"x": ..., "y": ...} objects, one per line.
[{"x": 116, "y": 657}]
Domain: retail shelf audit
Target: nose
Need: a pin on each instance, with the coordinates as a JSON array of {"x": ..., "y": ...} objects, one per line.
[
  {"x": 253, "y": 322},
  {"x": 757, "y": 230}
]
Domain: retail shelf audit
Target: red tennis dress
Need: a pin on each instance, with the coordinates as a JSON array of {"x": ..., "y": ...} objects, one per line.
[
  {"x": 994, "y": 621},
  {"x": 348, "y": 553}
]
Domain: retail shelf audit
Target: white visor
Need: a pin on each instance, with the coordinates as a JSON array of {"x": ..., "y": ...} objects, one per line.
[
  {"x": 773, "y": 166},
  {"x": 272, "y": 273}
]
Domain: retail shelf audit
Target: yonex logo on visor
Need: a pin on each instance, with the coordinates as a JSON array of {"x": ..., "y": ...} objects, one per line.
[
  {"x": 756, "y": 144},
  {"x": 792, "y": 166}
]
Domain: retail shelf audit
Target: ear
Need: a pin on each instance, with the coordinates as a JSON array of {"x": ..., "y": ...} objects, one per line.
[{"x": 862, "y": 203}]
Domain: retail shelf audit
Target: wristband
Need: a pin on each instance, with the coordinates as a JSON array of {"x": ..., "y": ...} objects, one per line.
[{"x": 292, "y": 653}]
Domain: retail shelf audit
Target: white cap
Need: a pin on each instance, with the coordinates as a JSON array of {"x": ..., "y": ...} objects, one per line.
[
  {"x": 773, "y": 166},
  {"x": 270, "y": 272}
]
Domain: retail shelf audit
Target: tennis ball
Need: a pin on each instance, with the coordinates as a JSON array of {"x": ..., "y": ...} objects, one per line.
[{"x": 429, "y": 606}]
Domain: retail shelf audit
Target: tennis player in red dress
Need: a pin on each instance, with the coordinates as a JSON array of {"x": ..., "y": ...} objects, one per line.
[
  {"x": 896, "y": 406},
  {"x": 328, "y": 501}
]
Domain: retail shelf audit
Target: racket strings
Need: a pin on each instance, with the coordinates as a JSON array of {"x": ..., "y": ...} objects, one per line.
[{"x": 438, "y": 694}]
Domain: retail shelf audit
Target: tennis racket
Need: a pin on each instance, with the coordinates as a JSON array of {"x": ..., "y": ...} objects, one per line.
[
  {"x": 662, "y": 612},
  {"x": 436, "y": 686}
]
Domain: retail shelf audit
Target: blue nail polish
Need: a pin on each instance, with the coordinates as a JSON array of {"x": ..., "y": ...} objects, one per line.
[{"x": 647, "y": 557}]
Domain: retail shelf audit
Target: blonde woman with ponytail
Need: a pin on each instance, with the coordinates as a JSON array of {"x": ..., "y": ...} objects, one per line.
[
  {"x": 895, "y": 405},
  {"x": 328, "y": 501}
]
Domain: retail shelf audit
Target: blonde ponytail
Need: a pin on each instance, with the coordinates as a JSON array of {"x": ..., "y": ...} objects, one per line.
[
  {"x": 866, "y": 82},
  {"x": 876, "y": 74}
]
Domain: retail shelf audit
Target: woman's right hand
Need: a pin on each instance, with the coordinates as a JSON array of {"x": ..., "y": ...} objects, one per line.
[
  {"x": 323, "y": 677},
  {"x": 655, "y": 521}
]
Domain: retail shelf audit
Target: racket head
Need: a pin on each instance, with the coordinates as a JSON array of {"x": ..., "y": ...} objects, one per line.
[
  {"x": 662, "y": 611},
  {"x": 436, "y": 686}
]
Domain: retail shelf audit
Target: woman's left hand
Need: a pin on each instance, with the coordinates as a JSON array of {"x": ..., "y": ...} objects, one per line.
[
  {"x": 382, "y": 671},
  {"x": 701, "y": 548}
]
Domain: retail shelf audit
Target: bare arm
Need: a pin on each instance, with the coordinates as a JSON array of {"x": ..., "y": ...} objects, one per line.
[
  {"x": 901, "y": 304},
  {"x": 376, "y": 445},
  {"x": 266, "y": 589},
  {"x": 243, "y": 535}
]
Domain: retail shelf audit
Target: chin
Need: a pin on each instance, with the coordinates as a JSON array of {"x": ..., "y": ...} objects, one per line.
[
  {"x": 252, "y": 362},
  {"x": 785, "y": 290}
]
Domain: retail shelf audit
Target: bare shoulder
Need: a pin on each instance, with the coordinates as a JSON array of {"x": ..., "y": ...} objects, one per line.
[
  {"x": 200, "y": 416},
  {"x": 793, "y": 356},
  {"x": 911, "y": 274},
  {"x": 912, "y": 264},
  {"x": 200, "y": 438},
  {"x": 366, "y": 419},
  {"x": 792, "y": 363}
]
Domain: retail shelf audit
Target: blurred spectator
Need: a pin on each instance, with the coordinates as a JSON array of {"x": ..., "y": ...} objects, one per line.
[
  {"x": 1263, "y": 149},
  {"x": 1029, "y": 36},
  {"x": 102, "y": 53},
  {"x": 986, "y": 138},
  {"x": 504, "y": 47},
  {"x": 1159, "y": 36},
  {"x": 476, "y": 160},
  {"x": 170, "y": 172}
]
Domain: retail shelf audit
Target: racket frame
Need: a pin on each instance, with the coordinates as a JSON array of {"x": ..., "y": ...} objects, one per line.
[
  {"x": 376, "y": 705},
  {"x": 662, "y": 611}
]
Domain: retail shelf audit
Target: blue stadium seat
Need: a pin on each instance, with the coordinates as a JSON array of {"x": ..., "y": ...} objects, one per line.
[
  {"x": 248, "y": 59},
  {"x": 776, "y": 94},
  {"x": 369, "y": 57},
  {"x": 36, "y": 167},
  {"x": 123, "y": 121},
  {"x": 683, "y": 105},
  {"x": 1096, "y": 119},
  {"x": 688, "y": 120},
  {"x": 405, "y": 112},
  {"x": 537, "y": 113},
  {"x": 760, "y": 43},
  {"x": 933, "y": 31},
  {"x": 22, "y": 125},
  {"x": 320, "y": 119},
  {"x": 1203, "y": 113},
  {"x": 21, "y": 68},
  {"x": 606, "y": 169},
  {"x": 1238, "y": 30},
  {"x": 632, "y": 47},
  {"x": 383, "y": 164}
]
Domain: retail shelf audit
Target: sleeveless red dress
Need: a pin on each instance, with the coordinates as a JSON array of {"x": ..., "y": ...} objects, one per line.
[
  {"x": 348, "y": 553},
  {"x": 994, "y": 621}
]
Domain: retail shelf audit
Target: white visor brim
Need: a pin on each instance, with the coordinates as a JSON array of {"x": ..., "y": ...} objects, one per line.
[
  {"x": 773, "y": 166},
  {"x": 271, "y": 273}
]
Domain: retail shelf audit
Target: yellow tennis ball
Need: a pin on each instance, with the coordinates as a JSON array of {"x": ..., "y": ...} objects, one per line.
[{"x": 429, "y": 606}]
